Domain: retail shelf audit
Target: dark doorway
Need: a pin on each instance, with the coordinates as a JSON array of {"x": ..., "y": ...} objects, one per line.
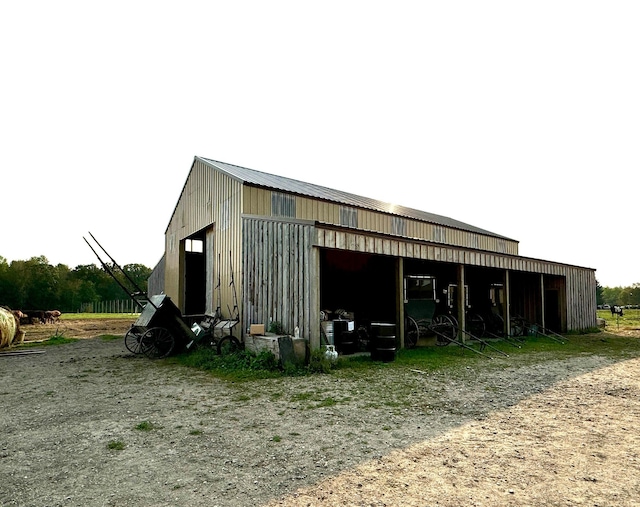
[
  {"x": 552, "y": 316},
  {"x": 363, "y": 284},
  {"x": 194, "y": 276}
]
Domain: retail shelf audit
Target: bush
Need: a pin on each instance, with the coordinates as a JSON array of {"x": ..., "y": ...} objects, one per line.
[{"x": 318, "y": 362}]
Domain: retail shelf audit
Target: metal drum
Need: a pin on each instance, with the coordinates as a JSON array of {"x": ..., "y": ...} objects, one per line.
[
  {"x": 383, "y": 336},
  {"x": 327, "y": 329}
]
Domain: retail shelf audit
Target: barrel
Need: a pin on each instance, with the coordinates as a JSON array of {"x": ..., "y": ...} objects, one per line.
[
  {"x": 327, "y": 329},
  {"x": 344, "y": 339},
  {"x": 383, "y": 338}
]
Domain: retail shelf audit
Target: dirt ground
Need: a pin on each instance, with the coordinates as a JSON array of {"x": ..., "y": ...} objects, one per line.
[{"x": 506, "y": 432}]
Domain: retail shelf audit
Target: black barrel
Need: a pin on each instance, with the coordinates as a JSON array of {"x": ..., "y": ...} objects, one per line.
[
  {"x": 383, "y": 337},
  {"x": 344, "y": 339}
]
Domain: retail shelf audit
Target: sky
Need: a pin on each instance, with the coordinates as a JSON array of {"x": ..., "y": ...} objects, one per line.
[{"x": 521, "y": 118}]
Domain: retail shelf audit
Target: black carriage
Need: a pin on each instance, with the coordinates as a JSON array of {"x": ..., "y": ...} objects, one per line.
[{"x": 421, "y": 316}]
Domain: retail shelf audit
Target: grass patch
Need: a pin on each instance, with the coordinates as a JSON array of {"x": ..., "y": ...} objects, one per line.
[
  {"x": 54, "y": 340},
  {"x": 244, "y": 366},
  {"x": 145, "y": 426},
  {"x": 116, "y": 445}
]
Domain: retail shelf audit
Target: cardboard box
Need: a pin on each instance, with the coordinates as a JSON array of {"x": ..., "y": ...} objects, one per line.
[{"x": 256, "y": 329}]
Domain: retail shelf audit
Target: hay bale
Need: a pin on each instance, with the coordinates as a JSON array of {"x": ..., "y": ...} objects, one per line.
[{"x": 10, "y": 331}]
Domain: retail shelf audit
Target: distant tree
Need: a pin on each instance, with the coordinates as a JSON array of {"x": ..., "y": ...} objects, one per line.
[
  {"x": 599, "y": 296},
  {"x": 5, "y": 286},
  {"x": 139, "y": 274}
]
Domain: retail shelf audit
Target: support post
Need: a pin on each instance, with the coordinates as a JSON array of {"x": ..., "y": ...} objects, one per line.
[
  {"x": 400, "y": 298},
  {"x": 507, "y": 298},
  {"x": 461, "y": 295}
]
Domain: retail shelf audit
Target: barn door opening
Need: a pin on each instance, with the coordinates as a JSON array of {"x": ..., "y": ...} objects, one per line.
[
  {"x": 194, "y": 275},
  {"x": 553, "y": 319},
  {"x": 362, "y": 285}
]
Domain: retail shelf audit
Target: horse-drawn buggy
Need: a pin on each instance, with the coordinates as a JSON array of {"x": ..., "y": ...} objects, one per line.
[{"x": 421, "y": 318}]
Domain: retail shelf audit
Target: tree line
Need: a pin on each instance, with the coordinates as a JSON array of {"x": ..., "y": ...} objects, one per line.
[
  {"x": 620, "y": 296},
  {"x": 35, "y": 284}
]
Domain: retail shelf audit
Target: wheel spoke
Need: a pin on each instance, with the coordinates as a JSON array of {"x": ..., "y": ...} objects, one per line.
[
  {"x": 157, "y": 343},
  {"x": 133, "y": 341}
]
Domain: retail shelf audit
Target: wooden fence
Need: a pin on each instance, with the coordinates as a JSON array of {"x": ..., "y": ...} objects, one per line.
[{"x": 115, "y": 306}]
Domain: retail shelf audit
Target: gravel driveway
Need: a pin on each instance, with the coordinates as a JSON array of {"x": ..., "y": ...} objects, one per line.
[{"x": 88, "y": 424}]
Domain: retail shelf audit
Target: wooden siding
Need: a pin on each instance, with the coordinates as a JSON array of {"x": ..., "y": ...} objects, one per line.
[
  {"x": 257, "y": 201},
  {"x": 281, "y": 282},
  {"x": 208, "y": 198}
]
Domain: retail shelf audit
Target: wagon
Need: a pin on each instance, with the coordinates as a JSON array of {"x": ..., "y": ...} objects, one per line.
[
  {"x": 161, "y": 329},
  {"x": 421, "y": 318}
]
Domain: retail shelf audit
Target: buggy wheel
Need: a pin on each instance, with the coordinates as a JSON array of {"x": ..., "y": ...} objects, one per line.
[
  {"x": 207, "y": 341},
  {"x": 411, "y": 332},
  {"x": 444, "y": 328},
  {"x": 228, "y": 345},
  {"x": 133, "y": 341},
  {"x": 496, "y": 324},
  {"x": 476, "y": 325},
  {"x": 517, "y": 327},
  {"x": 157, "y": 343}
]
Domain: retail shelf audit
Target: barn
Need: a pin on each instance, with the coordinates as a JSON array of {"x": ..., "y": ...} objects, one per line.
[{"x": 266, "y": 249}]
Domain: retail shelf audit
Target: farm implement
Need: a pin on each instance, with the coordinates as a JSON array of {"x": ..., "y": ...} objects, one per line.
[{"x": 161, "y": 330}]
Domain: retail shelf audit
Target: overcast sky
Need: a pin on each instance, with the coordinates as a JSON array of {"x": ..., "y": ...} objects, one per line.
[{"x": 522, "y": 118}]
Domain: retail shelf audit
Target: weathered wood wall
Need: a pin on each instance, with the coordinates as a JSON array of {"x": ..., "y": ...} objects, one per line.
[{"x": 281, "y": 276}]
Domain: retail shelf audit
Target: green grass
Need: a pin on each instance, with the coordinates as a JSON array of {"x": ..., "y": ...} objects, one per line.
[
  {"x": 145, "y": 426},
  {"x": 116, "y": 445},
  {"x": 629, "y": 320},
  {"x": 235, "y": 367},
  {"x": 424, "y": 359},
  {"x": 54, "y": 340}
]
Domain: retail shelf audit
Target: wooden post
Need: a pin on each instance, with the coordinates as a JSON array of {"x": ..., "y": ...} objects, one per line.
[
  {"x": 542, "y": 315},
  {"x": 400, "y": 298},
  {"x": 461, "y": 304},
  {"x": 507, "y": 305}
]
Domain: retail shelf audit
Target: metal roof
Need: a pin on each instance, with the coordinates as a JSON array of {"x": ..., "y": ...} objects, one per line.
[{"x": 283, "y": 184}]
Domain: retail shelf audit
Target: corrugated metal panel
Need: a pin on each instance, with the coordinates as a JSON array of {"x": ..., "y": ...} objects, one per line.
[
  {"x": 208, "y": 197},
  {"x": 258, "y": 178}
]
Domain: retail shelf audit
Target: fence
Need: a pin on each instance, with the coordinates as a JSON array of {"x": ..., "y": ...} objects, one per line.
[{"x": 115, "y": 306}]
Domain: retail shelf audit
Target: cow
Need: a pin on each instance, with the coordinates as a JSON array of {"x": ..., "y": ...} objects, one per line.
[
  {"x": 10, "y": 332},
  {"x": 35, "y": 316},
  {"x": 616, "y": 310},
  {"x": 52, "y": 316}
]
